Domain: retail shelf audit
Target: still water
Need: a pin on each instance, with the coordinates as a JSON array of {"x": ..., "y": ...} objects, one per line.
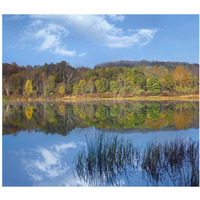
[{"x": 125, "y": 143}]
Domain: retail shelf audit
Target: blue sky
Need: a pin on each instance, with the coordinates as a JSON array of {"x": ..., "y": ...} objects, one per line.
[{"x": 87, "y": 40}]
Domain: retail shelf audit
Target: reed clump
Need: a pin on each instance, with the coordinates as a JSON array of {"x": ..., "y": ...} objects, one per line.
[{"x": 171, "y": 163}]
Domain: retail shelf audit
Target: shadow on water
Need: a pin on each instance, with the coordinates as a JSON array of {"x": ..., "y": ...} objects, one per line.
[{"x": 174, "y": 163}]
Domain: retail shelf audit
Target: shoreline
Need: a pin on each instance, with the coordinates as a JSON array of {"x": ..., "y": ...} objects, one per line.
[{"x": 136, "y": 98}]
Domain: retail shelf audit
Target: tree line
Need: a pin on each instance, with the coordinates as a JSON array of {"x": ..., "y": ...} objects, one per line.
[{"x": 60, "y": 79}]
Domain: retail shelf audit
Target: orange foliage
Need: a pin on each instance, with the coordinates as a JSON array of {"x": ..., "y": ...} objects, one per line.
[{"x": 182, "y": 118}]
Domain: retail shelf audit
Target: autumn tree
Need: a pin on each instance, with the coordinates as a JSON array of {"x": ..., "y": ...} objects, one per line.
[
  {"x": 28, "y": 87},
  {"x": 61, "y": 90},
  {"x": 187, "y": 77},
  {"x": 178, "y": 75},
  {"x": 182, "y": 77}
]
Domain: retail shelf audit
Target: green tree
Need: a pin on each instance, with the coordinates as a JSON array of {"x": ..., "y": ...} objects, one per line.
[
  {"x": 139, "y": 81},
  {"x": 15, "y": 83},
  {"x": 50, "y": 85},
  {"x": 114, "y": 87},
  {"x": 121, "y": 80},
  {"x": 153, "y": 85},
  {"x": 82, "y": 86},
  {"x": 195, "y": 81},
  {"x": 91, "y": 83},
  {"x": 167, "y": 82},
  {"x": 102, "y": 85}
]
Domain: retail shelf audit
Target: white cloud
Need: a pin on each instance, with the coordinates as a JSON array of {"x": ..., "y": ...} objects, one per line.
[
  {"x": 116, "y": 18},
  {"x": 65, "y": 146},
  {"x": 82, "y": 54},
  {"x": 48, "y": 162},
  {"x": 49, "y": 31},
  {"x": 48, "y": 37},
  {"x": 99, "y": 29},
  {"x": 141, "y": 37},
  {"x": 64, "y": 52}
]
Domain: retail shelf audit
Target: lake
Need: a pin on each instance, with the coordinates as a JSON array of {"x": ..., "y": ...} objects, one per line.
[{"x": 101, "y": 143}]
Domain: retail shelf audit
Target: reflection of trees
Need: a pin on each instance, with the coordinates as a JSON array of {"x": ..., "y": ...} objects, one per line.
[
  {"x": 153, "y": 111},
  {"x": 29, "y": 112},
  {"x": 62, "y": 109},
  {"x": 182, "y": 118},
  {"x": 156, "y": 124},
  {"x": 106, "y": 158},
  {"x": 62, "y": 118},
  {"x": 45, "y": 118}
]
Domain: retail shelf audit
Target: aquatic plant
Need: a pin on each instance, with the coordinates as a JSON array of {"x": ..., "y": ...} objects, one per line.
[
  {"x": 104, "y": 157},
  {"x": 171, "y": 163}
]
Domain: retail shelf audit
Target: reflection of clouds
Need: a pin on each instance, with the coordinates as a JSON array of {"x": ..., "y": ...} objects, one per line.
[
  {"x": 47, "y": 163},
  {"x": 63, "y": 180},
  {"x": 83, "y": 143},
  {"x": 63, "y": 147}
]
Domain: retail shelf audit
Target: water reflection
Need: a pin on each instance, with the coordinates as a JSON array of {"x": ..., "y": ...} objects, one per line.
[
  {"x": 174, "y": 163},
  {"x": 45, "y": 163},
  {"x": 62, "y": 118}
]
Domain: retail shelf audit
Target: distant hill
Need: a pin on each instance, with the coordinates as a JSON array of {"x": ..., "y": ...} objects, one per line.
[{"x": 170, "y": 65}]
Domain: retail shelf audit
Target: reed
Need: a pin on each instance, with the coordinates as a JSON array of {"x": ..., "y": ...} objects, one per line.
[{"x": 172, "y": 163}]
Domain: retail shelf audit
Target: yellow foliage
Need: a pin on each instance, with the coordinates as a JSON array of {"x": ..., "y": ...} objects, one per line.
[
  {"x": 29, "y": 112},
  {"x": 28, "y": 87},
  {"x": 62, "y": 89},
  {"x": 62, "y": 108}
]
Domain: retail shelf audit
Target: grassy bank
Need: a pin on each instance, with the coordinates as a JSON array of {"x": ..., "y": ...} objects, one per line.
[{"x": 89, "y": 98}]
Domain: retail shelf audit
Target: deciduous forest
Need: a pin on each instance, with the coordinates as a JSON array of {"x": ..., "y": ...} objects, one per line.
[{"x": 117, "y": 79}]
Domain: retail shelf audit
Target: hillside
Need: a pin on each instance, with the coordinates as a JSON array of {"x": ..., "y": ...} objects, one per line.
[{"x": 194, "y": 67}]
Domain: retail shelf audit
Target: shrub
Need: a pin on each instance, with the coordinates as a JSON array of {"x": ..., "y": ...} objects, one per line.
[{"x": 139, "y": 92}]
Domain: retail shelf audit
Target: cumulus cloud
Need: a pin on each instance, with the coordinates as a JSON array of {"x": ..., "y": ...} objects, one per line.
[
  {"x": 48, "y": 37},
  {"x": 49, "y": 33},
  {"x": 98, "y": 28}
]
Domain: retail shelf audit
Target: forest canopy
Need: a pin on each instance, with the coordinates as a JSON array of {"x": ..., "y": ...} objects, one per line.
[{"x": 123, "y": 78}]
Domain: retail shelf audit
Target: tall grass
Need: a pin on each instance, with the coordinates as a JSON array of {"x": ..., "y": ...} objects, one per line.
[
  {"x": 172, "y": 163},
  {"x": 175, "y": 163},
  {"x": 104, "y": 158}
]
